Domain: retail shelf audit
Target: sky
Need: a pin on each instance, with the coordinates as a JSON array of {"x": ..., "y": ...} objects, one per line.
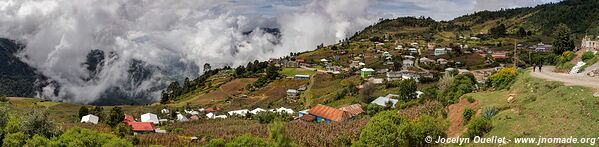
[{"x": 173, "y": 39}]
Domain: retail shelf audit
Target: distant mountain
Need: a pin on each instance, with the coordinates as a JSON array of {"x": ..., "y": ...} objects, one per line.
[{"x": 16, "y": 77}]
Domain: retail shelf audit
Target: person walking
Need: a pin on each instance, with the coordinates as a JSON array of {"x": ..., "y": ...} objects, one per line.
[
  {"x": 534, "y": 67},
  {"x": 540, "y": 66}
]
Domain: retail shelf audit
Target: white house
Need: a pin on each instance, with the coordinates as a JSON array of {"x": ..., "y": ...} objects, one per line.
[
  {"x": 149, "y": 117},
  {"x": 90, "y": 119},
  {"x": 192, "y": 112},
  {"x": 407, "y": 63},
  {"x": 382, "y": 101},
  {"x": 242, "y": 112},
  {"x": 220, "y": 116},
  {"x": 210, "y": 115},
  {"x": 257, "y": 110},
  {"x": 292, "y": 92},
  {"x": 182, "y": 118},
  {"x": 284, "y": 110},
  {"x": 165, "y": 111}
]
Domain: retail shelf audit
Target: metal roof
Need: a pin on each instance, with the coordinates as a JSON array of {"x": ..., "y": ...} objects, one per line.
[{"x": 328, "y": 113}]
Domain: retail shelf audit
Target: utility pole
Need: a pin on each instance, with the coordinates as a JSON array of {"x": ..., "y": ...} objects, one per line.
[{"x": 515, "y": 53}]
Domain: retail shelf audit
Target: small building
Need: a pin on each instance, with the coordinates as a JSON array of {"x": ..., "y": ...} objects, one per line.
[
  {"x": 352, "y": 110},
  {"x": 213, "y": 109},
  {"x": 327, "y": 114},
  {"x": 165, "y": 111},
  {"x": 192, "y": 112},
  {"x": 440, "y": 51},
  {"x": 393, "y": 75},
  {"x": 442, "y": 61},
  {"x": 301, "y": 77},
  {"x": 386, "y": 54},
  {"x": 257, "y": 110},
  {"x": 182, "y": 118},
  {"x": 141, "y": 127},
  {"x": 499, "y": 55},
  {"x": 425, "y": 60},
  {"x": 412, "y": 50},
  {"x": 407, "y": 74},
  {"x": 366, "y": 72},
  {"x": 541, "y": 47},
  {"x": 92, "y": 119},
  {"x": 149, "y": 117},
  {"x": 383, "y": 101},
  {"x": 241, "y": 112},
  {"x": 284, "y": 110},
  {"x": 292, "y": 92},
  {"x": 128, "y": 118},
  {"x": 376, "y": 80},
  {"x": 220, "y": 117},
  {"x": 407, "y": 63},
  {"x": 324, "y": 60}
]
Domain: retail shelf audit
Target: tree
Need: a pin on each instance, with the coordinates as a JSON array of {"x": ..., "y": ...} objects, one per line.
[
  {"x": 407, "y": 89},
  {"x": 83, "y": 111},
  {"x": 367, "y": 91},
  {"x": 427, "y": 126},
  {"x": 522, "y": 32},
  {"x": 246, "y": 140},
  {"x": 15, "y": 139},
  {"x": 85, "y": 137},
  {"x": 115, "y": 116},
  {"x": 278, "y": 136},
  {"x": 122, "y": 130},
  {"x": 478, "y": 127},
  {"x": 37, "y": 122},
  {"x": 383, "y": 130},
  {"x": 207, "y": 67},
  {"x": 468, "y": 113},
  {"x": 3, "y": 98},
  {"x": 38, "y": 140},
  {"x": 562, "y": 39},
  {"x": 498, "y": 31}
]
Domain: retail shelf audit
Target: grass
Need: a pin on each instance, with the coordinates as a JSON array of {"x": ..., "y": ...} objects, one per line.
[
  {"x": 290, "y": 72},
  {"x": 542, "y": 108},
  {"x": 589, "y": 62}
]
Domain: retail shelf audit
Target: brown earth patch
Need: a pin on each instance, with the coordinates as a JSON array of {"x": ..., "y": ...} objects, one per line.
[{"x": 455, "y": 115}]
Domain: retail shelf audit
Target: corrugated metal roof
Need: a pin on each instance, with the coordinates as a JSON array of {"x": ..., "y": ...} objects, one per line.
[
  {"x": 353, "y": 110},
  {"x": 307, "y": 117},
  {"x": 328, "y": 113},
  {"x": 141, "y": 126}
]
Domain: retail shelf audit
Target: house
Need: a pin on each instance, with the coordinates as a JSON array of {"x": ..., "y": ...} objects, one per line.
[
  {"x": 220, "y": 117},
  {"x": 383, "y": 101},
  {"x": 590, "y": 44},
  {"x": 409, "y": 57},
  {"x": 386, "y": 54},
  {"x": 442, "y": 61},
  {"x": 333, "y": 68},
  {"x": 301, "y": 77},
  {"x": 284, "y": 110},
  {"x": 376, "y": 80},
  {"x": 292, "y": 92},
  {"x": 425, "y": 60},
  {"x": 149, "y": 117},
  {"x": 257, "y": 110},
  {"x": 541, "y": 47},
  {"x": 499, "y": 55},
  {"x": 408, "y": 63},
  {"x": 241, "y": 112},
  {"x": 407, "y": 74},
  {"x": 165, "y": 111},
  {"x": 413, "y": 50},
  {"x": 399, "y": 47},
  {"x": 324, "y": 60},
  {"x": 141, "y": 127},
  {"x": 182, "y": 118},
  {"x": 352, "y": 110},
  {"x": 354, "y": 64},
  {"x": 92, "y": 119},
  {"x": 366, "y": 72},
  {"x": 419, "y": 94},
  {"x": 393, "y": 75},
  {"x": 128, "y": 118},
  {"x": 440, "y": 51},
  {"x": 210, "y": 115},
  {"x": 291, "y": 64},
  {"x": 327, "y": 114},
  {"x": 192, "y": 112}
]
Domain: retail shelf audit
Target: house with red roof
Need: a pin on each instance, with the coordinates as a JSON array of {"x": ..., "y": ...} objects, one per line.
[
  {"x": 327, "y": 114},
  {"x": 141, "y": 127}
]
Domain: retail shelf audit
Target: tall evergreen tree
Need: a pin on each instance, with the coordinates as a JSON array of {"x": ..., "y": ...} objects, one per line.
[{"x": 562, "y": 39}]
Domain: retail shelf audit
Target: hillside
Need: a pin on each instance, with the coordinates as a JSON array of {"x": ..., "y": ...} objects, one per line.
[{"x": 17, "y": 78}]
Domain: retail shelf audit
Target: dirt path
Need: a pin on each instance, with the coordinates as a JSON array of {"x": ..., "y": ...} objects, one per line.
[{"x": 578, "y": 79}]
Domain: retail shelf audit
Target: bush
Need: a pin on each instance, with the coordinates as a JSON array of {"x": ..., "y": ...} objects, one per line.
[
  {"x": 565, "y": 57},
  {"x": 245, "y": 141},
  {"x": 503, "y": 78},
  {"x": 489, "y": 112},
  {"x": 468, "y": 113},
  {"x": 587, "y": 55},
  {"x": 85, "y": 137},
  {"x": 427, "y": 126},
  {"x": 479, "y": 127},
  {"x": 382, "y": 130},
  {"x": 15, "y": 139},
  {"x": 3, "y": 98},
  {"x": 266, "y": 117},
  {"x": 278, "y": 135},
  {"x": 38, "y": 140},
  {"x": 372, "y": 109},
  {"x": 470, "y": 99},
  {"x": 36, "y": 122},
  {"x": 217, "y": 142},
  {"x": 83, "y": 111},
  {"x": 115, "y": 116}
]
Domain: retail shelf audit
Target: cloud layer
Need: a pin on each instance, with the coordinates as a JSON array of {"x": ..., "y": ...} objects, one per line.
[{"x": 173, "y": 38}]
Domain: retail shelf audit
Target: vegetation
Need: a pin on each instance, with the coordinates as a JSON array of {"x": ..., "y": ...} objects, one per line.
[
  {"x": 266, "y": 117},
  {"x": 115, "y": 116},
  {"x": 562, "y": 39},
  {"x": 407, "y": 90},
  {"x": 454, "y": 87},
  {"x": 479, "y": 127},
  {"x": 468, "y": 113},
  {"x": 503, "y": 78},
  {"x": 389, "y": 129}
]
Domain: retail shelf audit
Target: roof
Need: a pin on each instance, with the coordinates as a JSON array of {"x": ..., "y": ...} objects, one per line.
[
  {"x": 353, "y": 110},
  {"x": 382, "y": 101},
  {"x": 328, "y": 113},
  {"x": 128, "y": 118},
  {"x": 307, "y": 117},
  {"x": 149, "y": 117},
  {"x": 213, "y": 109},
  {"x": 255, "y": 111},
  {"x": 141, "y": 126},
  {"x": 291, "y": 91},
  {"x": 90, "y": 119},
  {"x": 303, "y": 76},
  {"x": 367, "y": 69}
]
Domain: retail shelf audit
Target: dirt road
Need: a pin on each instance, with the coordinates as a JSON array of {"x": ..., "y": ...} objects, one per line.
[{"x": 578, "y": 79}]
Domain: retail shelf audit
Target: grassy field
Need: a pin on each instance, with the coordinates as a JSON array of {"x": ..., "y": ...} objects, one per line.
[
  {"x": 542, "y": 108},
  {"x": 290, "y": 72}
]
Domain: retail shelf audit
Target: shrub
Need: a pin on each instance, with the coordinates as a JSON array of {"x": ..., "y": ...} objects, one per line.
[
  {"x": 566, "y": 56},
  {"x": 382, "y": 130},
  {"x": 115, "y": 116},
  {"x": 15, "y": 139},
  {"x": 246, "y": 140},
  {"x": 38, "y": 140},
  {"x": 479, "y": 127},
  {"x": 470, "y": 99},
  {"x": 83, "y": 111},
  {"x": 3, "y": 98},
  {"x": 217, "y": 142},
  {"x": 266, "y": 117},
  {"x": 489, "y": 112},
  {"x": 372, "y": 109},
  {"x": 503, "y": 78},
  {"x": 427, "y": 126},
  {"x": 587, "y": 55},
  {"x": 468, "y": 113},
  {"x": 278, "y": 135}
]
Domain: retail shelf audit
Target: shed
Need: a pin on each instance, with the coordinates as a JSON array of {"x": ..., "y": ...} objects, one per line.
[
  {"x": 352, "y": 110},
  {"x": 382, "y": 101},
  {"x": 165, "y": 111},
  {"x": 149, "y": 117},
  {"x": 182, "y": 118},
  {"x": 366, "y": 72},
  {"x": 90, "y": 119},
  {"x": 141, "y": 127}
]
